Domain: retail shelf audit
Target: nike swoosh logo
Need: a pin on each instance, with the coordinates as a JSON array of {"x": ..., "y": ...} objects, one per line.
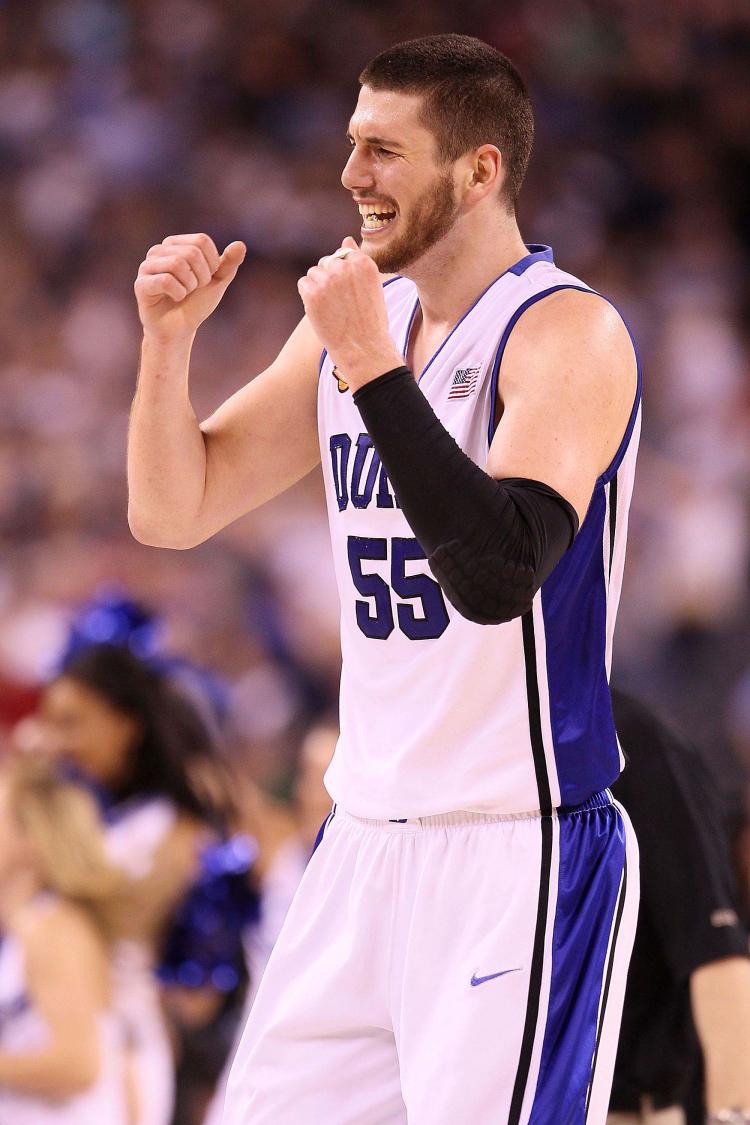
[{"x": 475, "y": 980}]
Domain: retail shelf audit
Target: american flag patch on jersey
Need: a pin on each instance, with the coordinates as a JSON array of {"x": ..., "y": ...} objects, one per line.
[{"x": 464, "y": 381}]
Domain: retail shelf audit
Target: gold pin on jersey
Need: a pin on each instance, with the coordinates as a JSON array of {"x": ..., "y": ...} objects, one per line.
[{"x": 343, "y": 385}]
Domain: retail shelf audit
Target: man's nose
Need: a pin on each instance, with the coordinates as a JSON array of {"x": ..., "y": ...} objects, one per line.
[{"x": 356, "y": 174}]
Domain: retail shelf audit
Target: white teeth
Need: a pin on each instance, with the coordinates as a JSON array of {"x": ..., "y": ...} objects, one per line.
[
  {"x": 367, "y": 211},
  {"x": 372, "y": 218}
]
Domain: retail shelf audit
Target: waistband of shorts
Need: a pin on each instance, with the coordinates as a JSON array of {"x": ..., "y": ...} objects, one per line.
[{"x": 462, "y": 817}]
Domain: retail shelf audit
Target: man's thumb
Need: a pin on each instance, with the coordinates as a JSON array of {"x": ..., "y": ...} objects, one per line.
[{"x": 230, "y": 261}]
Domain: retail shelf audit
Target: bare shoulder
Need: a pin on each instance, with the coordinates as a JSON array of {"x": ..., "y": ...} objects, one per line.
[
  {"x": 578, "y": 334},
  {"x": 566, "y": 389},
  {"x": 576, "y": 307}
]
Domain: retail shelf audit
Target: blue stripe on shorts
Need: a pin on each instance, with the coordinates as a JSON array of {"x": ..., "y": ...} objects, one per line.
[{"x": 590, "y": 888}]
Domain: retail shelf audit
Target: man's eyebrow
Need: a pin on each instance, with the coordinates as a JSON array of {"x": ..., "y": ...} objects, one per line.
[{"x": 373, "y": 140}]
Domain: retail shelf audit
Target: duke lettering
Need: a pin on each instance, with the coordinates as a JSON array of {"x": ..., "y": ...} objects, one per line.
[{"x": 358, "y": 475}]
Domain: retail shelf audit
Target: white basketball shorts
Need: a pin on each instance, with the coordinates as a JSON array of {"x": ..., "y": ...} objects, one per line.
[{"x": 453, "y": 969}]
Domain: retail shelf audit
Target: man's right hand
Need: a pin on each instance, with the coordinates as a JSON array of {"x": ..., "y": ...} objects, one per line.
[{"x": 181, "y": 281}]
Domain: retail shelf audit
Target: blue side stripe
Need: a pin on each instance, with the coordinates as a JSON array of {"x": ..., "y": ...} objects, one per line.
[
  {"x": 607, "y": 982},
  {"x": 592, "y": 861},
  {"x": 322, "y": 831},
  {"x": 574, "y": 610}
]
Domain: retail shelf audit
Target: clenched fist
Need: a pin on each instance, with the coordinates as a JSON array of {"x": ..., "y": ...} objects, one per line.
[
  {"x": 343, "y": 299},
  {"x": 181, "y": 281}
]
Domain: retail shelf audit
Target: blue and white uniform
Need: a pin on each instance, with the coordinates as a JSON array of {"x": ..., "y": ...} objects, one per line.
[{"x": 459, "y": 944}]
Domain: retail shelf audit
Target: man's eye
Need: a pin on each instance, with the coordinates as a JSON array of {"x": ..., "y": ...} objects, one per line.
[{"x": 384, "y": 151}]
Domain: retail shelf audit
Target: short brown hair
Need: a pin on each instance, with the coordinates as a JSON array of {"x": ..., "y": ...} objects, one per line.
[{"x": 473, "y": 96}]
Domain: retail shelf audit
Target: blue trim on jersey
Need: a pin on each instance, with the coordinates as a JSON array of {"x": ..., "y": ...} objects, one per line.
[
  {"x": 591, "y": 867},
  {"x": 616, "y": 461},
  {"x": 537, "y": 253},
  {"x": 407, "y": 334},
  {"x": 574, "y": 609}
]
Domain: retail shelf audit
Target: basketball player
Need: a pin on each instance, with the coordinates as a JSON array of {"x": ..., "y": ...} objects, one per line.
[{"x": 458, "y": 946}]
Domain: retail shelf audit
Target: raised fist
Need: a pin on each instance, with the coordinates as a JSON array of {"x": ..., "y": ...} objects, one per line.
[
  {"x": 181, "y": 281},
  {"x": 343, "y": 299}
]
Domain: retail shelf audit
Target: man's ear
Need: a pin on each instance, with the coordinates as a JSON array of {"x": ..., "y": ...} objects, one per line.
[{"x": 487, "y": 166}]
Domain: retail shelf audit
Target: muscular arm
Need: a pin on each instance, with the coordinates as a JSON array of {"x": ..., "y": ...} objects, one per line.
[
  {"x": 186, "y": 480},
  {"x": 566, "y": 389},
  {"x": 64, "y": 971},
  {"x": 720, "y": 994}
]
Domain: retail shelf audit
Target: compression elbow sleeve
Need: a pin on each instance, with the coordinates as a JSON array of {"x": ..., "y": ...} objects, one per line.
[{"x": 490, "y": 543}]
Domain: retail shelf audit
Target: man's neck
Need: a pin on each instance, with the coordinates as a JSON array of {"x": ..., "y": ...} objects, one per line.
[{"x": 451, "y": 276}]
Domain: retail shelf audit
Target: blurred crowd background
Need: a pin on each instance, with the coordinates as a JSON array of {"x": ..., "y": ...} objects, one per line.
[{"x": 123, "y": 121}]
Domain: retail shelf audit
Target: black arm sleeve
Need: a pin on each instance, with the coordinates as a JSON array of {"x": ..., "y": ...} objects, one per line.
[{"x": 490, "y": 543}]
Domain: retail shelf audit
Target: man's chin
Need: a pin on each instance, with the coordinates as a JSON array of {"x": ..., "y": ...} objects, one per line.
[{"x": 388, "y": 259}]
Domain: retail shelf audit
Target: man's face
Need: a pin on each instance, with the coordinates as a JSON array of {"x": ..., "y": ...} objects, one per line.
[{"x": 405, "y": 194}]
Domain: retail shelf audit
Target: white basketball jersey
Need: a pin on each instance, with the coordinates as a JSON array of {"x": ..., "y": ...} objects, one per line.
[{"x": 439, "y": 713}]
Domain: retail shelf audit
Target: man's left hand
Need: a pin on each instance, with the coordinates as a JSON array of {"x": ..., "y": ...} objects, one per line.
[{"x": 343, "y": 299}]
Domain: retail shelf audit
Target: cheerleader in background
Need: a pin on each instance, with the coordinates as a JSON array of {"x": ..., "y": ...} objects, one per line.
[
  {"x": 124, "y": 728},
  {"x": 283, "y": 856},
  {"x": 61, "y": 1058}
]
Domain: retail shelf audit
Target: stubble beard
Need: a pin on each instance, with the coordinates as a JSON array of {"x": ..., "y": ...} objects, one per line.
[{"x": 431, "y": 218}]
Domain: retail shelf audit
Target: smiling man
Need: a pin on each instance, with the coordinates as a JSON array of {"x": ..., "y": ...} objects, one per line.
[{"x": 458, "y": 947}]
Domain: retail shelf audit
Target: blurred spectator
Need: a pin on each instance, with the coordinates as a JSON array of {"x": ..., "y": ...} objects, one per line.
[
  {"x": 685, "y": 1039},
  {"x": 144, "y": 749},
  {"x": 61, "y": 1054}
]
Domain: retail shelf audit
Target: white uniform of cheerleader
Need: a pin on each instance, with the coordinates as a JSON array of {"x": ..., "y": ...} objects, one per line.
[
  {"x": 131, "y": 843},
  {"x": 22, "y": 1029},
  {"x": 458, "y": 947}
]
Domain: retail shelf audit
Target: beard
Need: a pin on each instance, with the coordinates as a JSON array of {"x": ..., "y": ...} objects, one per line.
[{"x": 431, "y": 218}]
